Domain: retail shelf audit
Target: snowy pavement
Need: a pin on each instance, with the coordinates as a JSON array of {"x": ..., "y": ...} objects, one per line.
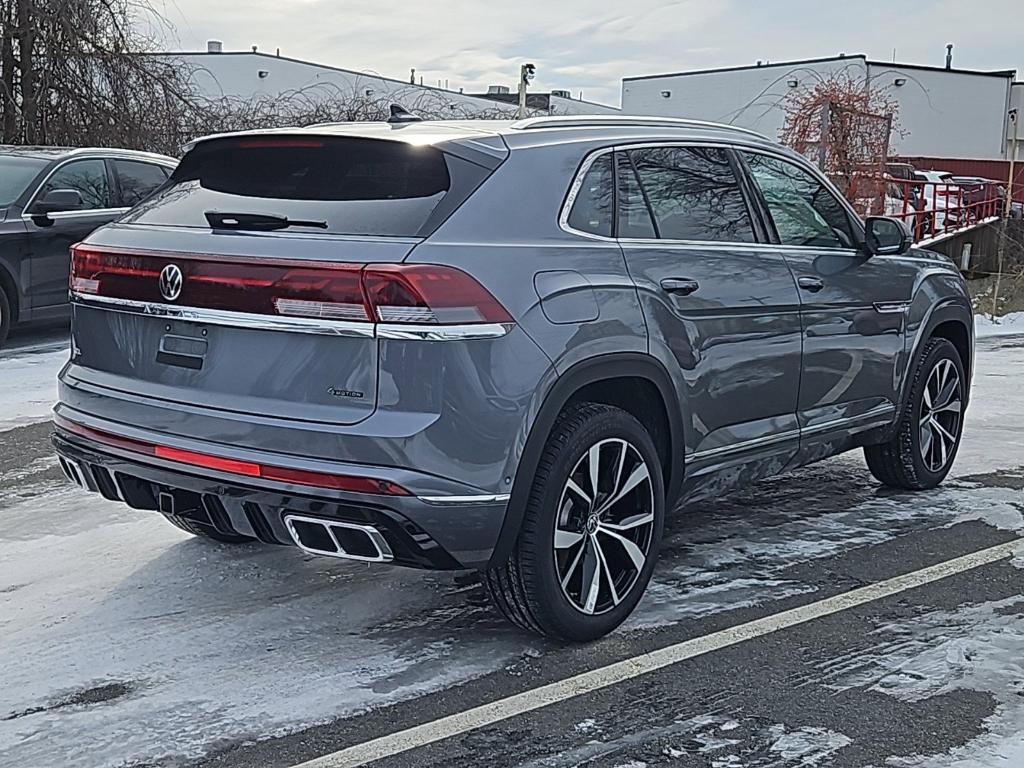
[{"x": 123, "y": 642}]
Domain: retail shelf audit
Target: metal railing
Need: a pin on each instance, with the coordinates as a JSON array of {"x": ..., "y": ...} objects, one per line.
[{"x": 931, "y": 209}]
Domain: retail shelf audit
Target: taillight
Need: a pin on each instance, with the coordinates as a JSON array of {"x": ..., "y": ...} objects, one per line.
[
  {"x": 424, "y": 293},
  {"x": 388, "y": 293}
]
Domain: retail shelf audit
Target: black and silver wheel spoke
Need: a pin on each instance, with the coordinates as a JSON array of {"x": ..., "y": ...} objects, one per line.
[
  {"x": 941, "y": 409},
  {"x": 605, "y": 525}
]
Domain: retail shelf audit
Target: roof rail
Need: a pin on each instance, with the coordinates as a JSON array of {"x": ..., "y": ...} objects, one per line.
[{"x": 590, "y": 121}]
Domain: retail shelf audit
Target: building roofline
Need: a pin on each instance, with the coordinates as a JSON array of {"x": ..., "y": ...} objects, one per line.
[
  {"x": 385, "y": 78},
  {"x": 750, "y": 66},
  {"x": 801, "y": 62},
  {"x": 987, "y": 73}
]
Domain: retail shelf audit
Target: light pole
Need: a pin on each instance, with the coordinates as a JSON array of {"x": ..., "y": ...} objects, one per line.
[
  {"x": 1013, "y": 161},
  {"x": 526, "y": 74}
]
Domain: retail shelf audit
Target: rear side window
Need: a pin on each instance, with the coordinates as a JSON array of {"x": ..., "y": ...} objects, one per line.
[
  {"x": 693, "y": 194},
  {"x": 592, "y": 210},
  {"x": 137, "y": 179},
  {"x": 346, "y": 185}
]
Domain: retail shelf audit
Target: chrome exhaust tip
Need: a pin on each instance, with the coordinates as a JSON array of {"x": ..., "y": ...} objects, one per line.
[{"x": 333, "y": 538}]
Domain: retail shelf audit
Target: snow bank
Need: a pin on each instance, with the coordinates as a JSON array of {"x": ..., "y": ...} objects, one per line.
[
  {"x": 28, "y": 383},
  {"x": 1007, "y": 325}
]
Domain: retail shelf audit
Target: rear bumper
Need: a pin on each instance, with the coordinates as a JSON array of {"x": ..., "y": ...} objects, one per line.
[{"x": 440, "y": 529}]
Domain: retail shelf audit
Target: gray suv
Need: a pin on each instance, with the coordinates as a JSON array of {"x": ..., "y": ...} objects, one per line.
[{"x": 510, "y": 347}]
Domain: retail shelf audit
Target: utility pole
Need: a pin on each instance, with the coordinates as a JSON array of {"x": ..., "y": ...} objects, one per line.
[
  {"x": 1005, "y": 223},
  {"x": 1013, "y": 162},
  {"x": 526, "y": 74}
]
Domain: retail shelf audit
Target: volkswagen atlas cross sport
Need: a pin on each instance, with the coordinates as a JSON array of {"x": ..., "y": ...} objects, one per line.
[{"x": 511, "y": 347}]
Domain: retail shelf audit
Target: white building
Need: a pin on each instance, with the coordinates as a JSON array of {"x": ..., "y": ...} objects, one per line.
[
  {"x": 245, "y": 75},
  {"x": 945, "y": 113}
]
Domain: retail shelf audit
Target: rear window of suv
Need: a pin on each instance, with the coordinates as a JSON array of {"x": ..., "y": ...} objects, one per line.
[{"x": 352, "y": 186}]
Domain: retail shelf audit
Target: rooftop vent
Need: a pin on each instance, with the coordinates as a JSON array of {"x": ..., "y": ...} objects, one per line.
[
  {"x": 494, "y": 90},
  {"x": 214, "y": 46}
]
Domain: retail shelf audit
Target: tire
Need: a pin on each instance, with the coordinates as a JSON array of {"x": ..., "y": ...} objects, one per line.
[
  {"x": 920, "y": 455},
  {"x": 546, "y": 585},
  {"x": 6, "y": 316},
  {"x": 206, "y": 531}
]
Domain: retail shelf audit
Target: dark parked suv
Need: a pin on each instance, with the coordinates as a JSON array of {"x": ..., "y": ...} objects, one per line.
[
  {"x": 51, "y": 197},
  {"x": 511, "y": 347}
]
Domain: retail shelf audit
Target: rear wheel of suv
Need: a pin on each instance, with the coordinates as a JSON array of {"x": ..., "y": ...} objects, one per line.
[
  {"x": 6, "y": 318},
  {"x": 921, "y": 453},
  {"x": 206, "y": 531},
  {"x": 592, "y": 528}
]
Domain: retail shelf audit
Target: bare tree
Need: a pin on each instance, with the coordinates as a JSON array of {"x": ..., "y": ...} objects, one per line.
[
  {"x": 845, "y": 126},
  {"x": 70, "y": 73},
  {"x": 77, "y": 72}
]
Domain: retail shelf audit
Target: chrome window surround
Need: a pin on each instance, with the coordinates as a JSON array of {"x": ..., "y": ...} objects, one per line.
[
  {"x": 590, "y": 159},
  {"x": 313, "y": 325}
]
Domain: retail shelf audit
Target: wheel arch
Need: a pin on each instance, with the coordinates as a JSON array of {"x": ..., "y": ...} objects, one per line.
[
  {"x": 600, "y": 379},
  {"x": 10, "y": 289},
  {"x": 950, "y": 319}
]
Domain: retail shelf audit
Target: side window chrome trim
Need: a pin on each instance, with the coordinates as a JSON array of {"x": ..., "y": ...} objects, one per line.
[{"x": 589, "y": 160}]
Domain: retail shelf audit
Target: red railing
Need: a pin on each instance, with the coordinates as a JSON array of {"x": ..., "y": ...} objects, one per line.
[{"x": 930, "y": 209}]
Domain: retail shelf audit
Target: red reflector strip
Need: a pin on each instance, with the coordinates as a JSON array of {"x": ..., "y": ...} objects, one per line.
[
  {"x": 234, "y": 467},
  {"x": 209, "y": 462}
]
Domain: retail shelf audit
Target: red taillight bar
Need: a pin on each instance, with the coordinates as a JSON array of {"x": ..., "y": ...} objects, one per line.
[
  {"x": 235, "y": 467},
  {"x": 377, "y": 293}
]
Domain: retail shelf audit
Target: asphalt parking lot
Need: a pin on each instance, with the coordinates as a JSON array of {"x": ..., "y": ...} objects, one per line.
[{"x": 813, "y": 620}]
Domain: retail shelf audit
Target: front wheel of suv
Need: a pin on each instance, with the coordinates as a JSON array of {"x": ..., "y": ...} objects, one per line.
[
  {"x": 591, "y": 531},
  {"x": 921, "y": 453}
]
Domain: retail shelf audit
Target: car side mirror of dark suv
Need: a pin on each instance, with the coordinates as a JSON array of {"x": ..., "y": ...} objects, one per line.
[
  {"x": 884, "y": 236},
  {"x": 56, "y": 201}
]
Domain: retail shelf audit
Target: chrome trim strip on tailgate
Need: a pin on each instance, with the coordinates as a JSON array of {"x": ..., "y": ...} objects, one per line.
[{"x": 315, "y": 325}]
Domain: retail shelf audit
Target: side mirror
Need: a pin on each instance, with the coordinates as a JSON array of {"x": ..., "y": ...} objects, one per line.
[
  {"x": 57, "y": 200},
  {"x": 886, "y": 237}
]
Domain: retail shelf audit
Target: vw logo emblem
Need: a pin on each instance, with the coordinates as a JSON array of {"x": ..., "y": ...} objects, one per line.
[{"x": 170, "y": 282}]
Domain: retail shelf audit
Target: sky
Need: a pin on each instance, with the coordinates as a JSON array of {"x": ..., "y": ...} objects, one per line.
[{"x": 590, "y": 46}]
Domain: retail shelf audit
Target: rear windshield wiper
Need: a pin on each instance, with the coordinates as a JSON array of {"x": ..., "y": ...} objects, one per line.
[{"x": 257, "y": 222}]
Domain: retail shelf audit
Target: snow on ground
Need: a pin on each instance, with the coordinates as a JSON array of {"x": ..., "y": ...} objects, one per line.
[
  {"x": 977, "y": 647},
  {"x": 28, "y": 383},
  {"x": 1010, "y": 324},
  {"x": 204, "y": 645},
  {"x": 123, "y": 640}
]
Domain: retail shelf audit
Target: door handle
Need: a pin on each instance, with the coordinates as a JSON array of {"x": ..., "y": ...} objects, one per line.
[
  {"x": 680, "y": 285},
  {"x": 811, "y": 284}
]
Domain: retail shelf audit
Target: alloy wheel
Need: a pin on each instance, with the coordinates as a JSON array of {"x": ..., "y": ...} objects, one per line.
[
  {"x": 941, "y": 409},
  {"x": 604, "y": 527}
]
